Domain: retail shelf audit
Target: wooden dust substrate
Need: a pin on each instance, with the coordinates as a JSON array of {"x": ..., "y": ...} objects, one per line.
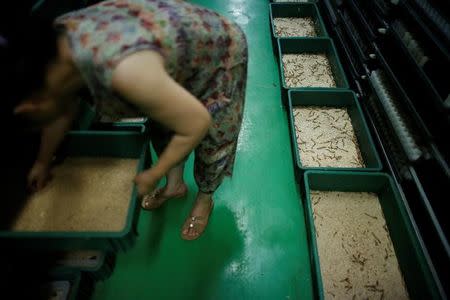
[
  {"x": 357, "y": 258},
  {"x": 291, "y": 27},
  {"x": 307, "y": 70},
  {"x": 85, "y": 194},
  {"x": 132, "y": 120},
  {"x": 325, "y": 138},
  {"x": 108, "y": 119}
]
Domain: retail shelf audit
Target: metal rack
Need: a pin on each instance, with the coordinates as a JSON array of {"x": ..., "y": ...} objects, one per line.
[{"x": 408, "y": 42}]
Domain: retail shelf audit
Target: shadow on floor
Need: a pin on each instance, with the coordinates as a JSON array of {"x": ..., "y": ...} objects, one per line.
[
  {"x": 193, "y": 268},
  {"x": 156, "y": 229}
]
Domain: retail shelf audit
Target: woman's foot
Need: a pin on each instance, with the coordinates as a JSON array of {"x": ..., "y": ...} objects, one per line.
[
  {"x": 161, "y": 195},
  {"x": 175, "y": 188},
  {"x": 196, "y": 223}
]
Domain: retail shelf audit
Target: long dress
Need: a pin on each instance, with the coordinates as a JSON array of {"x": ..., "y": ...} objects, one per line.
[{"x": 202, "y": 50}]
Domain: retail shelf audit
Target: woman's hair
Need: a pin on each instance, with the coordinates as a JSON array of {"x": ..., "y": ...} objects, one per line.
[{"x": 27, "y": 46}]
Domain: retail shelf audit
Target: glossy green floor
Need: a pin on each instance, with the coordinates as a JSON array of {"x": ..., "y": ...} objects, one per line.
[{"x": 255, "y": 246}]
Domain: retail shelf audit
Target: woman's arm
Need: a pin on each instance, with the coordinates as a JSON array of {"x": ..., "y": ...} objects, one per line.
[
  {"x": 143, "y": 81},
  {"x": 51, "y": 137}
]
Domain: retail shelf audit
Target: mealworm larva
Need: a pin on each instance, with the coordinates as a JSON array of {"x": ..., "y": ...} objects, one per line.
[
  {"x": 327, "y": 132},
  {"x": 373, "y": 217},
  {"x": 342, "y": 149}
]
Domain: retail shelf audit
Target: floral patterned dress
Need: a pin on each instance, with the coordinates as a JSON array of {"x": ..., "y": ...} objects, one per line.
[{"x": 203, "y": 51}]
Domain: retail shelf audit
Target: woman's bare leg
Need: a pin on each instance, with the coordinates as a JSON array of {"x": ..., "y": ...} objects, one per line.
[
  {"x": 175, "y": 181},
  {"x": 175, "y": 187}
]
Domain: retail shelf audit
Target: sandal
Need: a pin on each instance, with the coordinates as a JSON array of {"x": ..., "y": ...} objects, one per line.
[
  {"x": 198, "y": 223},
  {"x": 156, "y": 200}
]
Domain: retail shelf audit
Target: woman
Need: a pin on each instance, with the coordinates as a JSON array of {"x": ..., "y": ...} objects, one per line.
[{"x": 181, "y": 65}]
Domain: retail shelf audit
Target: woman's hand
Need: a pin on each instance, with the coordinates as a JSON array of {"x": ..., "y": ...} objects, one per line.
[
  {"x": 51, "y": 137},
  {"x": 38, "y": 176},
  {"x": 147, "y": 181}
]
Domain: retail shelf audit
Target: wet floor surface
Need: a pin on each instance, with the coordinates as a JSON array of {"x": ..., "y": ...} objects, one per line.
[{"x": 255, "y": 246}]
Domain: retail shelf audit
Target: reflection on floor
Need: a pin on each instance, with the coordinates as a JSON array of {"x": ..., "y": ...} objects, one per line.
[{"x": 255, "y": 246}]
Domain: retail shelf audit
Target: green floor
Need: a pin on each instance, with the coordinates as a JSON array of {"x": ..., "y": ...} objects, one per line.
[{"x": 255, "y": 246}]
